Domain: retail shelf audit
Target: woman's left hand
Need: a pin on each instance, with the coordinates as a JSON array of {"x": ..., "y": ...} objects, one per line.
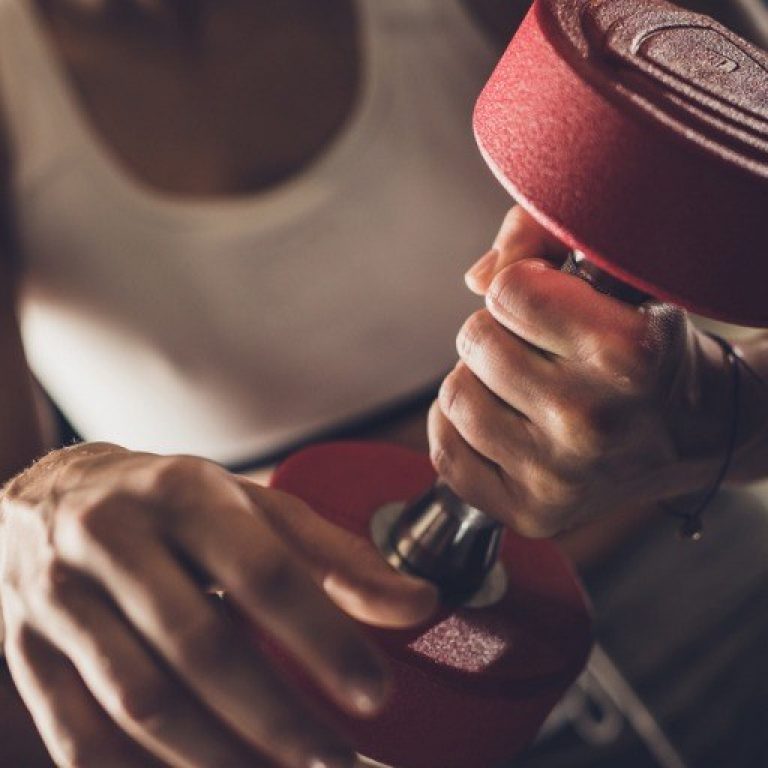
[{"x": 566, "y": 403}]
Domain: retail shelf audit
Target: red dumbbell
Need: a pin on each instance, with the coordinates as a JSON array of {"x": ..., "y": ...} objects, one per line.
[{"x": 638, "y": 134}]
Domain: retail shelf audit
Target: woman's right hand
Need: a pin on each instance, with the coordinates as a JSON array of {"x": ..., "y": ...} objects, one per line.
[{"x": 124, "y": 660}]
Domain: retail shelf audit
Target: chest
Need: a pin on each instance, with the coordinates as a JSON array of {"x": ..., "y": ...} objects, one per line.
[{"x": 237, "y": 105}]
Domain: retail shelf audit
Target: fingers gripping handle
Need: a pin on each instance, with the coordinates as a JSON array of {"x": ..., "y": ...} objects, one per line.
[{"x": 443, "y": 539}]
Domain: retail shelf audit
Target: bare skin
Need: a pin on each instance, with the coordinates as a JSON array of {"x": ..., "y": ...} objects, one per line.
[
  {"x": 568, "y": 405},
  {"x": 111, "y": 640},
  {"x": 92, "y": 537}
]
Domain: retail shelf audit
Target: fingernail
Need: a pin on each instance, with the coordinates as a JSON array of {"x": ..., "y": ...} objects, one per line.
[{"x": 478, "y": 276}]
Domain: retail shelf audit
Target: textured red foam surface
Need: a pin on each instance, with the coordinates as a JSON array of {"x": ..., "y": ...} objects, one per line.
[
  {"x": 472, "y": 688},
  {"x": 638, "y": 133}
]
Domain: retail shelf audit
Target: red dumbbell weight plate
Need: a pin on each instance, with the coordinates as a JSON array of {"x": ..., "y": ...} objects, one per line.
[
  {"x": 473, "y": 687},
  {"x": 638, "y": 133}
]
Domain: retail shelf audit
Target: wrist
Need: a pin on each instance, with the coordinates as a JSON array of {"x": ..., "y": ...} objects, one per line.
[
  {"x": 701, "y": 414},
  {"x": 708, "y": 417},
  {"x": 706, "y": 373},
  {"x": 750, "y": 459}
]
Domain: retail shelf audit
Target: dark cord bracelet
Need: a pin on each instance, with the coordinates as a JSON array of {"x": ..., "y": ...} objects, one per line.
[{"x": 691, "y": 526}]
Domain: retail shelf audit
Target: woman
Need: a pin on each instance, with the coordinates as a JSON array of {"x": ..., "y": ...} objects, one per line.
[{"x": 231, "y": 227}]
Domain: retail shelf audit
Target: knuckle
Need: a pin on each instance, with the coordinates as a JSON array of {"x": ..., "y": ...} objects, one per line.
[
  {"x": 480, "y": 430},
  {"x": 441, "y": 456},
  {"x": 172, "y": 474},
  {"x": 455, "y": 396},
  {"x": 459, "y": 406},
  {"x": 563, "y": 419},
  {"x": 635, "y": 358},
  {"x": 179, "y": 478},
  {"x": 474, "y": 334},
  {"x": 450, "y": 392},
  {"x": 518, "y": 291},
  {"x": 636, "y": 361},
  {"x": 505, "y": 289},
  {"x": 605, "y": 354}
]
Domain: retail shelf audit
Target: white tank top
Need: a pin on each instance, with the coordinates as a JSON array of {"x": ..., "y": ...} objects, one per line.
[{"x": 234, "y": 328}]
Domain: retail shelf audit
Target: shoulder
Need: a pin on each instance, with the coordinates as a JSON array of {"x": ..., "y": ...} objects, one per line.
[{"x": 500, "y": 18}]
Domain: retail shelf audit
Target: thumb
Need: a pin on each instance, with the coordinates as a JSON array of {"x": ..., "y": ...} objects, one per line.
[
  {"x": 520, "y": 237},
  {"x": 350, "y": 570}
]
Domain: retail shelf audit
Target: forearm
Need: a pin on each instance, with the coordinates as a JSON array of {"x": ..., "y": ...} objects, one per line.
[{"x": 705, "y": 423}]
